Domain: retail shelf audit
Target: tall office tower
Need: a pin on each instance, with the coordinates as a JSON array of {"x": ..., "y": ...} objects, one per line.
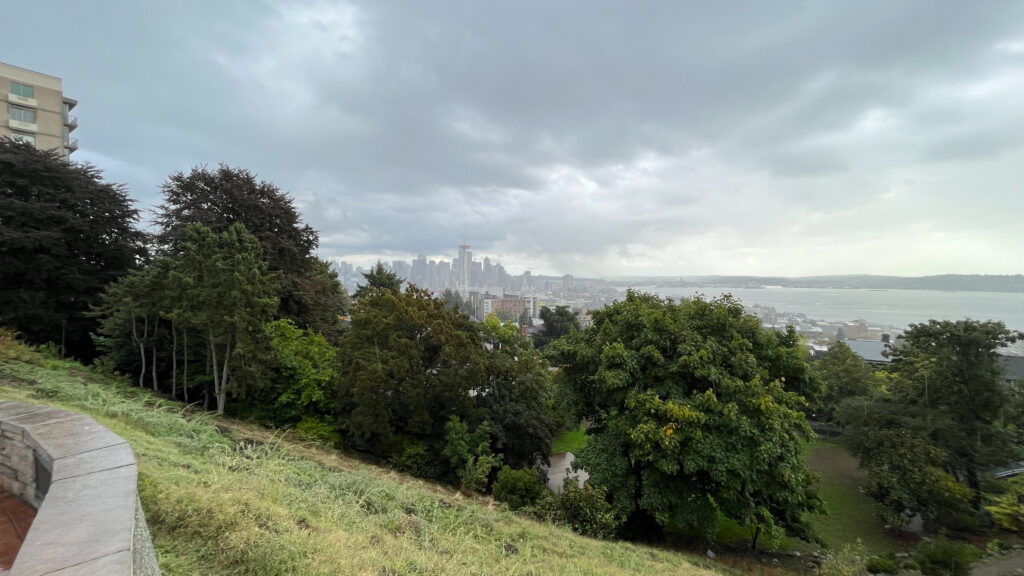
[
  {"x": 568, "y": 283},
  {"x": 36, "y": 110},
  {"x": 432, "y": 283},
  {"x": 464, "y": 256},
  {"x": 419, "y": 270},
  {"x": 444, "y": 275}
]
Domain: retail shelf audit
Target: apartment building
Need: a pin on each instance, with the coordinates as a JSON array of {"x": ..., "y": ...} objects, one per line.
[{"x": 33, "y": 109}]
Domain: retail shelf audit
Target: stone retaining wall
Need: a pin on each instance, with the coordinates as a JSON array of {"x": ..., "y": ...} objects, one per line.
[{"x": 81, "y": 478}]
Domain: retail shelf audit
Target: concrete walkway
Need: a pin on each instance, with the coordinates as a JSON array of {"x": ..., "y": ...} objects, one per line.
[{"x": 561, "y": 466}]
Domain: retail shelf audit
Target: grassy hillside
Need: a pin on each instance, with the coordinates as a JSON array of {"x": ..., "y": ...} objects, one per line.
[{"x": 223, "y": 497}]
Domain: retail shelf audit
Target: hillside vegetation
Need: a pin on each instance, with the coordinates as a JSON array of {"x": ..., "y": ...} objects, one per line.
[{"x": 224, "y": 497}]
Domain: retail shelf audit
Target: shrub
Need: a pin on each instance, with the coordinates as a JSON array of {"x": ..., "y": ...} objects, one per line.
[
  {"x": 882, "y": 566},
  {"x": 586, "y": 510},
  {"x": 846, "y": 561},
  {"x": 8, "y": 338},
  {"x": 517, "y": 488},
  {"x": 317, "y": 430},
  {"x": 944, "y": 557},
  {"x": 413, "y": 457}
]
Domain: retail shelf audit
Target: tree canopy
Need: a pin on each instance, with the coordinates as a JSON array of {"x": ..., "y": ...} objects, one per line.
[
  {"x": 693, "y": 414},
  {"x": 310, "y": 293},
  {"x": 64, "y": 235},
  {"x": 946, "y": 402},
  {"x": 558, "y": 322}
]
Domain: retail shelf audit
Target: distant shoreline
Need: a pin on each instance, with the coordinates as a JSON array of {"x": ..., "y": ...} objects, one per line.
[{"x": 943, "y": 283}]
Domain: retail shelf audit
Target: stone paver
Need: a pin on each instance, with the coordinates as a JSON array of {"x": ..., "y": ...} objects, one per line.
[
  {"x": 72, "y": 436},
  {"x": 93, "y": 461},
  {"x": 94, "y": 516}
]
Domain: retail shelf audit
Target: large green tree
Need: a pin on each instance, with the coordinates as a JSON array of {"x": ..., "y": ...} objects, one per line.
[
  {"x": 558, "y": 321},
  {"x": 408, "y": 364},
  {"x": 950, "y": 371},
  {"x": 310, "y": 293},
  {"x": 844, "y": 374},
  {"x": 519, "y": 395},
  {"x": 229, "y": 294},
  {"x": 64, "y": 235},
  {"x": 378, "y": 278},
  {"x": 693, "y": 414}
]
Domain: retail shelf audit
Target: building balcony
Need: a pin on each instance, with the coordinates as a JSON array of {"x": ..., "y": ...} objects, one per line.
[
  {"x": 21, "y": 100},
  {"x": 71, "y": 144},
  {"x": 71, "y": 121},
  {"x": 24, "y": 126}
]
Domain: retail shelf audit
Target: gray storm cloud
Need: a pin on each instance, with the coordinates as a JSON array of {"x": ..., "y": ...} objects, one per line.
[{"x": 582, "y": 137}]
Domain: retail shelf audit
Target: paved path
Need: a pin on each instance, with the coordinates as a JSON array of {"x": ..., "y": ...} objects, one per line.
[
  {"x": 560, "y": 468},
  {"x": 1009, "y": 564},
  {"x": 15, "y": 519}
]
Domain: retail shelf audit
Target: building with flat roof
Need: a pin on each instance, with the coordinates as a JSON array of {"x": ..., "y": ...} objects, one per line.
[{"x": 33, "y": 109}]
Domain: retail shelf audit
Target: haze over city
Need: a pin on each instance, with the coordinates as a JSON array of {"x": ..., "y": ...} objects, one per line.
[{"x": 780, "y": 138}]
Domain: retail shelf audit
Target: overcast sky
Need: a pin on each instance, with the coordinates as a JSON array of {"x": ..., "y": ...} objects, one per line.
[{"x": 584, "y": 137}]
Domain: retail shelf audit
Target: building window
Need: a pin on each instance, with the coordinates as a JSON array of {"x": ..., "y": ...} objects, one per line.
[
  {"x": 24, "y": 138},
  {"x": 23, "y": 90},
  {"x": 23, "y": 115}
]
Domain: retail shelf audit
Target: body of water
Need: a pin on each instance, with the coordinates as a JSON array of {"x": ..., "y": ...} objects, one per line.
[{"x": 896, "y": 308}]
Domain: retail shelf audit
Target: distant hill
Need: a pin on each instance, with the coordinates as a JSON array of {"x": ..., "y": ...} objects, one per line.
[{"x": 946, "y": 282}]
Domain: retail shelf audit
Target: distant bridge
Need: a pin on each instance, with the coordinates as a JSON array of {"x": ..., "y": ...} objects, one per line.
[{"x": 1010, "y": 470}]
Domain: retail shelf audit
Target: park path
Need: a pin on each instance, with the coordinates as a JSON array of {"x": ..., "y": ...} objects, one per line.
[
  {"x": 561, "y": 466},
  {"x": 1009, "y": 564}
]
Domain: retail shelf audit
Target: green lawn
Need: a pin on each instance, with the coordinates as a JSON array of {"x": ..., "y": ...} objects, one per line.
[
  {"x": 225, "y": 497},
  {"x": 571, "y": 441},
  {"x": 851, "y": 514}
]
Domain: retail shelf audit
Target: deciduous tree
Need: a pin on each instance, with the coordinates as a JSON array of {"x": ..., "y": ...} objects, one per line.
[
  {"x": 692, "y": 415},
  {"x": 64, "y": 235}
]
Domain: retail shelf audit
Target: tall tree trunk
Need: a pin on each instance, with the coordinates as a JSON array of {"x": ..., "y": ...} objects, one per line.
[
  {"x": 184, "y": 378},
  {"x": 153, "y": 366},
  {"x": 174, "y": 362},
  {"x": 156, "y": 331},
  {"x": 216, "y": 375},
  {"x": 142, "y": 349},
  {"x": 753, "y": 540},
  {"x": 222, "y": 396}
]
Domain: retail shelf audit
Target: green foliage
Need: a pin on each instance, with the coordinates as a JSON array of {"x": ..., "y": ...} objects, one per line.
[
  {"x": 518, "y": 488},
  {"x": 586, "y": 510},
  {"x": 941, "y": 413},
  {"x": 882, "y": 566},
  {"x": 1008, "y": 508},
  {"x": 412, "y": 457},
  {"x": 849, "y": 560},
  {"x": 844, "y": 374},
  {"x": 470, "y": 453},
  {"x": 996, "y": 546},
  {"x": 519, "y": 395},
  {"x": 407, "y": 365},
  {"x": 944, "y": 557},
  {"x": 217, "y": 505},
  {"x": 309, "y": 292},
  {"x": 64, "y": 235},
  {"x": 318, "y": 430},
  {"x": 907, "y": 477},
  {"x": 307, "y": 364},
  {"x": 557, "y": 323},
  {"x": 692, "y": 414},
  {"x": 378, "y": 278},
  {"x": 571, "y": 441}
]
